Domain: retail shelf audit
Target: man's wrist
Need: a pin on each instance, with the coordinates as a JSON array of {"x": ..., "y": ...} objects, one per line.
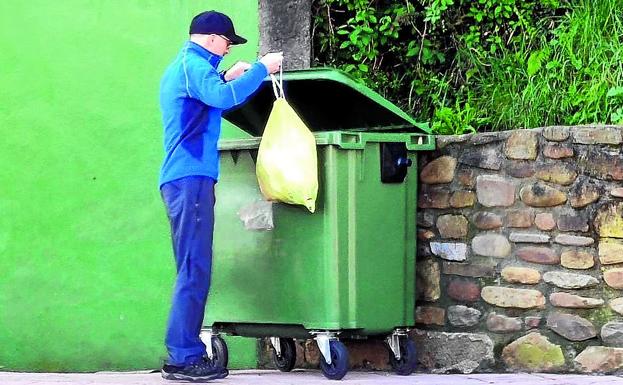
[{"x": 263, "y": 66}]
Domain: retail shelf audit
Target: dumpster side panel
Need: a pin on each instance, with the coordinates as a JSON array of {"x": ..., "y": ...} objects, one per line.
[
  {"x": 239, "y": 255},
  {"x": 375, "y": 256},
  {"x": 268, "y": 277},
  {"x": 348, "y": 266}
]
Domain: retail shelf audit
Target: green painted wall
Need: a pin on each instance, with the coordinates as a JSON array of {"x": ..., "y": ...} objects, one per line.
[{"x": 86, "y": 268}]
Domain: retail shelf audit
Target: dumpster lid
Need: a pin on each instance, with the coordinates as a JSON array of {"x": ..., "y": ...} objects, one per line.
[{"x": 327, "y": 100}]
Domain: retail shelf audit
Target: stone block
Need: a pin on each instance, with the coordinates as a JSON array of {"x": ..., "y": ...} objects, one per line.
[
  {"x": 616, "y": 304},
  {"x": 440, "y": 352},
  {"x": 425, "y": 235},
  {"x": 541, "y": 195},
  {"x": 600, "y": 359},
  {"x": 565, "y": 280},
  {"x": 513, "y": 298},
  {"x": 519, "y": 218},
  {"x": 573, "y": 301},
  {"x": 533, "y": 353},
  {"x": 571, "y": 327},
  {"x": 577, "y": 259},
  {"x": 493, "y": 190},
  {"x": 449, "y": 251},
  {"x": 428, "y": 276},
  {"x": 521, "y": 144},
  {"x": 597, "y": 135},
  {"x": 467, "y": 178},
  {"x": 525, "y": 275},
  {"x": 557, "y": 151},
  {"x": 545, "y": 221},
  {"x": 430, "y": 315},
  {"x": 488, "y": 158},
  {"x": 463, "y": 316},
  {"x": 498, "y": 323},
  {"x": 573, "y": 240},
  {"x": 584, "y": 192},
  {"x": 467, "y": 270},
  {"x": 452, "y": 226},
  {"x": 556, "y": 133},
  {"x": 614, "y": 277},
  {"x": 431, "y": 199},
  {"x": 440, "y": 170},
  {"x": 462, "y": 199},
  {"x": 533, "y": 322},
  {"x": 572, "y": 221},
  {"x": 562, "y": 174},
  {"x": 604, "y": 164},
  {"x": 491, "y": 245},
  {"x": 463, "y": 290},
  {"x": 487, "y": 221},
  {"x": 528, "y": 238},
  {"x": 609, "y": 220},
  {"x": 540, "y": 255},
  {"x": 612, "y": 334},
  {"x": 610, "y": 251}
]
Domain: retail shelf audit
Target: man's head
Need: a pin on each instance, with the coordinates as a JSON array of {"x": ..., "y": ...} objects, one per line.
[{"x": 215, "y": 32}]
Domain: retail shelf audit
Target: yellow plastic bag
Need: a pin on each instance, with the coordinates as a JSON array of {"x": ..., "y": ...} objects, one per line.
[{"x": 287, "y": 164}]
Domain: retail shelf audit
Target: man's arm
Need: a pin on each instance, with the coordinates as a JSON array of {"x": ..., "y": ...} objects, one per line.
[
  {"x": 236, "y": 70},
  {"x": 212, "y": 90}
]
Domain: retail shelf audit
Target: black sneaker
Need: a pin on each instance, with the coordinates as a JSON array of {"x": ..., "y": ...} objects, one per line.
[
  {"x": 214, "y": 365},
  {"x": 200, "y": 371}
]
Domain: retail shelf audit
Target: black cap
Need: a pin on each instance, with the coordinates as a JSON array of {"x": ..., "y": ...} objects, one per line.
[{"x": 212, "y": 22}]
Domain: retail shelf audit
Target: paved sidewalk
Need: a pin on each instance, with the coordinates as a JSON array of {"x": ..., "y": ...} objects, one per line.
[{"x": 270, "y": 377}]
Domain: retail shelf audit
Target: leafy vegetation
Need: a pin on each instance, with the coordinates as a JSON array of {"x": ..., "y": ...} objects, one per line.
[{"x": 481, "y": 65}]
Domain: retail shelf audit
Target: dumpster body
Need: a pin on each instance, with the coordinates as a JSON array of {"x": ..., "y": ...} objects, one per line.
[{"x": 345, "y": 271}]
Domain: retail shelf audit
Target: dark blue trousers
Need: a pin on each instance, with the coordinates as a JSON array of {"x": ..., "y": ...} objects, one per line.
[{"x": 190, "y": 207}]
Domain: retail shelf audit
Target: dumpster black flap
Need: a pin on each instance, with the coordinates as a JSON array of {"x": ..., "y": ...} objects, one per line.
[{"x": 326, "y": 100}]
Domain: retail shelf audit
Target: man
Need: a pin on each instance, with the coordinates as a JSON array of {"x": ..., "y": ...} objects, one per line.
[{"x": 193, "y": 95}]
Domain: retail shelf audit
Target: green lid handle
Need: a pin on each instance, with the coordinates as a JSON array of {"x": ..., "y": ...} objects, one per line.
[{"x": 358, "y": 140}]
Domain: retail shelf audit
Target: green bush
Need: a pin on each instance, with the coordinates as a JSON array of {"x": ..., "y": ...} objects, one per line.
[{"x": 481, "y": 65}]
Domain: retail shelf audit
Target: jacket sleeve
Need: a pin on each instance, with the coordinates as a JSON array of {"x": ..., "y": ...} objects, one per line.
[{"x": 209, "y": 87}]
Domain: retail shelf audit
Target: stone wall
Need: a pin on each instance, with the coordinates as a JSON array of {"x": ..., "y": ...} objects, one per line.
[{"x": 520, "y": 251}]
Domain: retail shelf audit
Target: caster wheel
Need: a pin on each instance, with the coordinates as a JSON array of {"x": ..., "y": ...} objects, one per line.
[
  {"x": 286, "y": 361},
  {"x": 408, "y": 358},
  {"x": 339, "y": 361},
  {"x": 220, "y": 352}
]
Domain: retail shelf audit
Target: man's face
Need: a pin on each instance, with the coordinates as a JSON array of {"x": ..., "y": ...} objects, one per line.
[{"x": 220, "y": 45}]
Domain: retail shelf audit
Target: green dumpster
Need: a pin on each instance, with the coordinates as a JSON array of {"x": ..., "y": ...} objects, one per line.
[{"x": 346, "y": 271}]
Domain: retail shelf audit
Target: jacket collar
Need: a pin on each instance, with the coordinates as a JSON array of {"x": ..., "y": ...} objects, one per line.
[{"x": 212, "y": 58}]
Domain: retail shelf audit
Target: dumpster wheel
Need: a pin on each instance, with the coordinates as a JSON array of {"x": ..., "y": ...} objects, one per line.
[
  {"x": 220, "y": 351},
  {"x": 407, "y": 362},
  {"x": 284, "y": 358},
  {"x": 338, "y": 367}
]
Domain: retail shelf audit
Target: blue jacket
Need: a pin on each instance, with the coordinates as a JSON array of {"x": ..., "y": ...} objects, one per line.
[{"x": 193, "y": 96}]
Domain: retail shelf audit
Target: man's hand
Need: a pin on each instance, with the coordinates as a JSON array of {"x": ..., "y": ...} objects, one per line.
[
  {"x": 236, "y": 70},
  {"x": 272, "y": 61}
]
